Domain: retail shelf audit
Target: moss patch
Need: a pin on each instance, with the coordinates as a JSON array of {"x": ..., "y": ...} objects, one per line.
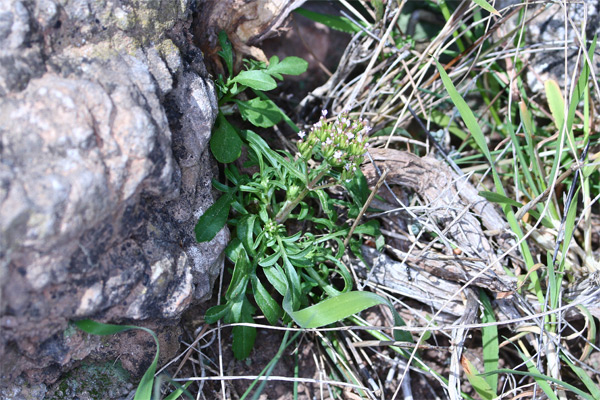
[{"x": 93, "y": 381}]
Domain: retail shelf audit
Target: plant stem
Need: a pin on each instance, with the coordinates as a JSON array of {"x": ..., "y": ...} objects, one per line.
[{"x": 283, "y": 214}]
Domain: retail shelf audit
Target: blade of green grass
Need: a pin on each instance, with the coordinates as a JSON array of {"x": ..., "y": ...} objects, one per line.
[
  {"x": 179, "y": 391},
  {"x": 487, "y": 7},
  {"x": 523, "y": 166},
  {"x": 542, "y": 379},
  {"x": 338, "y": 23},
  {"x": 479, "y": 383},
  {"x": 490, "y": 344},
  {"x": 583, "y": 377}
]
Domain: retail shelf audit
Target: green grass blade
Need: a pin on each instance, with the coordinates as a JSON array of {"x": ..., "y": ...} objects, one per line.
[
  {"x": 583, "y": 377},
  {"x": 466, "y": 113},
  {"x": 499, "y": 198},
  {"x": 529, "y": 132},
  {"x": 341, "y": 24},
  {"x": 542, "y": 379},
  {"x": 555, "y": 102},
  {"x": 335, "y": 309},
  {"x": 486, "y": 6},
  {"x": 490, "y": 344},
  {"x": 479, "y": 383},
  {"x": 569, "y": 227},
  {"x": 179, "y": 391},
  {"x": 580, "y": 87},
  {"x": 524, "y": 165}
]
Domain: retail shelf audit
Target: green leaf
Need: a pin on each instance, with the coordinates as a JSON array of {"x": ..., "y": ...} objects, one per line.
[
  {"x": 486, "y": 6},
  {"x": 292, "y": 239},
  {"x": 270, "y": 260},
  {"x": 244, "y": 336},
  {"x": 490, "y": 344},
  {"x": 179, "y": 391},
  {"x": 569, "y": 226},
  {"x": 258, "y": 80},
  {"x": 245, "y": 232},
  {"x": 276, "y": 277},
  {"x": 556, "y": 102},
  {"x": 227, "y": 51},
  {"x": 213, "y": 220},
  {"x": 480, "y": 384},
  {"x": 239, "y": 279},
  {"x": 342, "y": 24},
  {"x": 215, "y": 313},
  {"x": 293, "y": 279},
  {"x": 541, "y": 380},
  {"x": 583, "y": 377},
  {"x": 370, "y": 228},
  {"x": 261, "y": 147},
  {"x": 287, "y": 119},
  {"x": 243, "y": 341},
  {"x": 465, "y": 113},
  {"x": 500, "y": 199},
  {"x": 288, "y": 66},
  {"x": 144, "y": 389},
  {"x": 232, "y": 251},
  {"x": 260, "y": 113},
  {"x": 358, "y": 188},
  {"x": 265, "y": 302},
  {"x": 340, "y": 307},
  {"x": 379, "y": 242},
  {"x": 225, "y": 143}
]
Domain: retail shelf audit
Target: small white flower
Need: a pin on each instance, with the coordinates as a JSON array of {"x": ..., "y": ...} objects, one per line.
[
  {"x": 329, "y": 141},
  {"x": 324, "y": 113},
  {"x": 350, "y": 135},
  {"x": 337, "y": 155},
  {"x": 302, "y": 134}
]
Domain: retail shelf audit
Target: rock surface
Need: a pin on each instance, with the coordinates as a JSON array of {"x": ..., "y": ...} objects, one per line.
[
  {"x": 106, "y": 114},
  {"x": 546, "y": 35}
]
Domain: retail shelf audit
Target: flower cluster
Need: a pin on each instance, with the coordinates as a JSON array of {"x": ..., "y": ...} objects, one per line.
[
  {"x": 341, "y": 143},
  {"x": 271, "y": 229}
]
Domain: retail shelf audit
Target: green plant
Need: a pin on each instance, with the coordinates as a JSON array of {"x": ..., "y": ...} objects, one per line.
[
  {"x": 225, "y": 142},
  {"x": 294, "y": 264},
  {"x": 282, "y": 248}
]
